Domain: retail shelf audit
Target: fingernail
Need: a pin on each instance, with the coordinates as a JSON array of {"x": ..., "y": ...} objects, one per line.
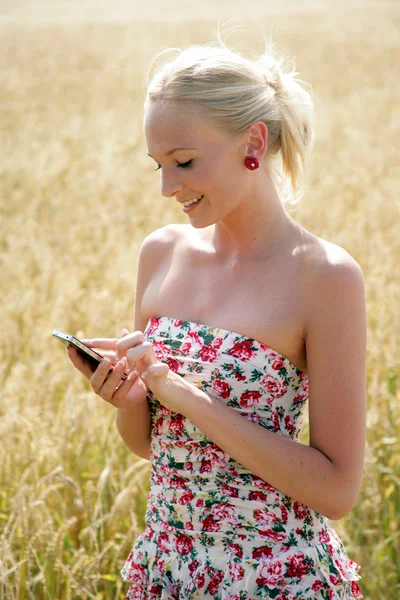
[{"x": 144, "y": 375}]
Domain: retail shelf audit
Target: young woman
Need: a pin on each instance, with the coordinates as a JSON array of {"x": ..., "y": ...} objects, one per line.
[{"x": 241, "y": 316}]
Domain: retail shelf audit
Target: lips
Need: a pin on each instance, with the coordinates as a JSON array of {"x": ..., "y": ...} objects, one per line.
[{"x": 191, "y": 201}]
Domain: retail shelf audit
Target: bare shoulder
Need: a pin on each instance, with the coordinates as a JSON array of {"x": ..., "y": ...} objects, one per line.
[
  {"x": 325, "y": 263},
  {"x": 165, "y": 237}
]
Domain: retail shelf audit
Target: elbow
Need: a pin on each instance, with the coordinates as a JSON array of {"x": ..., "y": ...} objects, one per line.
[
  {"x": 336, "y": 513},
  {"x": 339, "y": 509}
]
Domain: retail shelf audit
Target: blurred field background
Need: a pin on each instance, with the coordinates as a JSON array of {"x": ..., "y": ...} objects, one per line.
[{"x": 79, "y": 194}]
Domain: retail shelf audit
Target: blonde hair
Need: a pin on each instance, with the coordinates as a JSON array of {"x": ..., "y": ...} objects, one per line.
[{"x": 236, "y": 92}]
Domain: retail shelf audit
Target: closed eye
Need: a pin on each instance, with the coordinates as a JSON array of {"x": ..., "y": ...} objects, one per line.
[{"x": 185, "y": 165}]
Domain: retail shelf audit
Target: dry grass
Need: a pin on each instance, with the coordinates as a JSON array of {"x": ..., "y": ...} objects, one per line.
[{"x": 78, "y": 194}]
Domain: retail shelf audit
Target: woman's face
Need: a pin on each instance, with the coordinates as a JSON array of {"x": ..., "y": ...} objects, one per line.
[{"x": 196, "y": 159}]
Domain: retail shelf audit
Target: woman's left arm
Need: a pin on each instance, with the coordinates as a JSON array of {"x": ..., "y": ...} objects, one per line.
[{"x": 325, "y": 475}]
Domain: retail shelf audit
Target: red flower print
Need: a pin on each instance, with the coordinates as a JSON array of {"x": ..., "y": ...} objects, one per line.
[
  {"x": 173, "y": 364},
  {"x": 184, "y": 544},
  {"x": 355, "y": 589},
  {"x": 217, "y": 343},
  {"x": 249, "y": 399},
  {"x": 154, "y": 324},
  {"x": 330, "y": 549},
  {"x": 206, "y": 466},
  {"x": 137, "y": 574},
  {"x": 178, "y": 323},
  {"x": 215, "y": 582},
  {"x": 297, "y": 566},
  {"x": 271, "y": 574},
  {"x": 176, "y": 425},
  {"x": 156, "y": 588},
  {"x": 185, "y": 348},
  {"x": 174, "y": 591},
  {"x": 163, "y": 542},
  {"x": 239, "y": 377},
  {"x": 208, "y": 354},
  {"x": 272, "y": 535},
  {"x": 161, "y": 350},
  {"x": 200, "y": 503},
  {"x": 195, "y": 336},
  {"x": 236, "y": 550},
  {"x": 262, "y": 552},
  {"x": 264, "y": 485},
  {"x": 300, "y": 510},
  {"x": 189, "y": 466},
  {"x": 186, "y": 497},
  {"x": 210, "y": 525},
  {"x": 228, "y": 490},
  {"x": 158, "y": 426},
  {"x": 278, "y": 364},
  {"x": 284, "y": 512},
  {"x": 189, "y": 525},
  {"x": 199, "y": 581},
  {"x": 300, "y": 397},
  {"x": 236, "y": 571},
  {"x": 323, "y": 537},
  {"x": 273, "y": 386},
  {"x": 335, "y": 579},
  {"x": 275, "y": 421},
  {"x": 178, "y": 482},
  {"x": 258, "y": 496},
  {"x": 317, "y": 585},
  {"x": 225, "y": 512},
  {"x": 289, "y": 423},
  {"x": 222, "y": 388},
  {"x": 265, "y": 517},
  {"x": 193, "y": 566},
  {"x": 242, "y": 350}
]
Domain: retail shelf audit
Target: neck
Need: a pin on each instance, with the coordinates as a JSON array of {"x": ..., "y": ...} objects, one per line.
[{"x": 258, "y": 227}]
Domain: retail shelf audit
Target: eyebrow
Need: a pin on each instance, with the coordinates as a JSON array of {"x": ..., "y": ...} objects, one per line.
[{"x": 172, "y": 151}]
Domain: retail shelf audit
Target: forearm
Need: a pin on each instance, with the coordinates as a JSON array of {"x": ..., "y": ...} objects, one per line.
[
  {"x": 297, "y": 470},
  {"x": 134, "y": 426}
]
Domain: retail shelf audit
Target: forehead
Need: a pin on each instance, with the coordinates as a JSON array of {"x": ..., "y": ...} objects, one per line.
[{"x": 168, "y": 126}]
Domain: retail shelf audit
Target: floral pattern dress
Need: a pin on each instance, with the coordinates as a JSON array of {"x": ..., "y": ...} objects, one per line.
[{"x": 214, "y": 530}]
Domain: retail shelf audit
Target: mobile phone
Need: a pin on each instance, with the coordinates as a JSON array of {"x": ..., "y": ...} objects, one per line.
[{"x": 89, "y": 355}]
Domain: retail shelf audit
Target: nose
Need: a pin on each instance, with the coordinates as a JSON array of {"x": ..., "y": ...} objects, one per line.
[{"x": 170, "y": 185}]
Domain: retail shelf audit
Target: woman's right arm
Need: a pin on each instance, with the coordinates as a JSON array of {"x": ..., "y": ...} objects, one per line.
[{"x": 133, "y": 423}]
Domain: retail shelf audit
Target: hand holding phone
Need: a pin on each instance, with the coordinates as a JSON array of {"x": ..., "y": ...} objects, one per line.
[
  {"x": 89, "y": 355},
  {"x": 106, "y": 374}
]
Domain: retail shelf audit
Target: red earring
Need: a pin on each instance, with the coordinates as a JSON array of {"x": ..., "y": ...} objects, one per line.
[{"x": 251, "y": 163}]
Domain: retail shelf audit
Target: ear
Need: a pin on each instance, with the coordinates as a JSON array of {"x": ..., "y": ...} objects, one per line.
[{"x": 257, "y": 140}]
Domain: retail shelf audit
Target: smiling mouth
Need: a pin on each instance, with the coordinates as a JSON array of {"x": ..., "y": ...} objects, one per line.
[{"x": 192, "y": 201}]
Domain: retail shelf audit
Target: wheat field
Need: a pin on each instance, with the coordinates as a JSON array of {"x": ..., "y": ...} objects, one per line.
[{"x": 79, "y": 194}]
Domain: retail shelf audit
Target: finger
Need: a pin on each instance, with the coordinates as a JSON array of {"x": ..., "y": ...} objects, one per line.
[
  {"x": 100, "y": 375},
  {"x": 108, "y": 354},
  {"x": 144, "y": 352},
  {"x": 129, "y": 341},
  {"x": 123, "y": 390},
  {"x": 113, "y": 381},
  {"x": 159, "y": 370},
  {"x": 124, "y": 333},
  {"x": 104, "y": 343},
  {"x": 78, "y": 362}
]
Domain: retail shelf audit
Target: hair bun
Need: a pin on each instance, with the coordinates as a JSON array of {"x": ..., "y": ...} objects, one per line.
[{"x": 272, "y": 71}]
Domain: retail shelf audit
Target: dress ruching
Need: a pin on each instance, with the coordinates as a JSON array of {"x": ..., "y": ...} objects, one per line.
[{"x": 214, "y": 530}]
